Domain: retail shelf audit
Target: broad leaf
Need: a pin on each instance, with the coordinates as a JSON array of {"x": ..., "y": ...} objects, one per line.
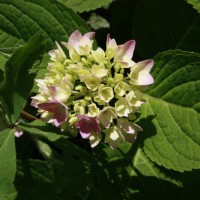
[
  {"x": 42, "y": 70},
  {"x": 3, "y": 60},
  {"x": 9, "y": 43},
  {"x": 33, "y": 179},
  {"x": 195, "y": 3},
  {"x": 147, "y": 178},
  {"x": 85, "y": 5},
  {"x": 39, "y": 129},
  {"x": 140, "y": 176},
  {"x": 22, "y": 19},
  {"x": 172, "y": 112},
  {"x": 7, "y": 161},
  {"x": 81, "y": 176},
  {"x": 19, "y": 77},
  {"x": 161, "y": 25}
]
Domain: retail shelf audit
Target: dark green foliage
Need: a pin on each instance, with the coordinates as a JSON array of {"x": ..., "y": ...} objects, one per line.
[{"x": 47, "y": 164}]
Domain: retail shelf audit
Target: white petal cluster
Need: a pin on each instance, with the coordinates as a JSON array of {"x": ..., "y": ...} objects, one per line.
[{"x": 93, "y": 91}]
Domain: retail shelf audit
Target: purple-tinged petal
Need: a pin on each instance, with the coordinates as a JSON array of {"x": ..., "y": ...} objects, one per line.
[
  {"x": 140, "y": 73},
  {"x": 144, "y": 65},
  {"x": 110, "y": 43},
  {"x": 52, "y": 53},
  {"x": 125, "y": 50},
  {"x": 58, "y": 109},
  {"x": 130, "y": 137},
  {"x": 34, "y": 103},
  {"x": 18, "y": 132},
  {"x": 145, "y": 79},
  {"x": 75, "y": 36},
  {"x": 89, "y": 35},
  {"x": 87, "y": 125},
  {"x": 128, "y": 127}
]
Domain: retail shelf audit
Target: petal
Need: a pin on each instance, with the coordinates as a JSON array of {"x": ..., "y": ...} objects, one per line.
[
  {"x": 92, "y": 82},
  {"x": 18, "y": 132},
  {"x": 84, "y": 135},
  {"x": 93, "y": 110},
  {"x": 144, "y": 65},
  {"x": 105, "y": 93},
  {"x": 122, "y": 107},
  {"x": 125, "y": 50},
  {"x": 98, "y": 55},
  {"x": 106, "y": 116},
  {"x": 99, "y": 70},
  {"x": 75, "y": 36},
  {"x": 95, "y": 139},
  {"x": 110, "y": 43},
  {"x": 113, "y": 137},
  {"x": 145, "y": 79},
  {"x": 87, "y": 125},
  {"x": 58, "y": 109},
  {"x": 89, "y": 35}
]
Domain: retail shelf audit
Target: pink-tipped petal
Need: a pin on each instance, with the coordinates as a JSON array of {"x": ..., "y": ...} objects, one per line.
[
  {"x": 84, "y": 135},
  {"x": 145, "y": 79},
  {"x": 144, "y": 65},
  {"x": 110, "y": 43},
  {"x": 126, "y": 49},
  {"x": 34, "y": 103},
  {"x": 149, "y": 64},
  {"x": 87, "y": 125},
  {"x": 89, "y": 35},
  {"x": 75, "y": 36},
  {"x": 58, "y": 109},
  {"x": 18, "y": 132},
  {"x": 52, "y": 53},
  {"x": 62, "y": 53}
]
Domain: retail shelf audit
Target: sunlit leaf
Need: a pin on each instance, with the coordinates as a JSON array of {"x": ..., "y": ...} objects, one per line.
[
  {"x": 195, "y": 3},
  {"x": 85, "y": 5},
  {"x": 171, "y": 114},
  {"x": 7, "y": 161}
]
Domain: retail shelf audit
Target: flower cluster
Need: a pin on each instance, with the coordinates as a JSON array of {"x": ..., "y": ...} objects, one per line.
[{"x": 93, "y": 92}]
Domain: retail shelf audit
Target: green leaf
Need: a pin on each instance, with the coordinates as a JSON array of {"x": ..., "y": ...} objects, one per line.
[
  {"x": 3, "y": 60},
  {"x": 158, "y": 25},
  {"x": 136, "y": 177},
  {"x": 42, "y": 70},
  {"x": 40, "y": 129},
  {"x": 8, "y": 161},
  {"x": 97, "y": 22},
  {"x": 172, "y": 112},
  {"x": 195, "y": 3},
  {"x": 146, "y": 167},
  {"x": 24, "y": 18},
  {"x": 12, "y": 194},
  {"x": 33, "y": 179},
  {"x": 85, "y": 5},
  {"x": 19, "y": 78},
  {"x": 147, "y": 178},
  {"x": 80, "y": 175},
  {"x": 9, "y": 43}
]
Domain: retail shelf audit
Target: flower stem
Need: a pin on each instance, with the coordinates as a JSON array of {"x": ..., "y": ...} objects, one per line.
[{"x": 28, "y": 116}]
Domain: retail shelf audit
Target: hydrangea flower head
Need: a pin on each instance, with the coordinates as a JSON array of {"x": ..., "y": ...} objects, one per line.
[{"x": 93, "y": 91}]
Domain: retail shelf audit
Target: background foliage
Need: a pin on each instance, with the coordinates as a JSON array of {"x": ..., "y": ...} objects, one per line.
[{"x": 164, "y": 161}]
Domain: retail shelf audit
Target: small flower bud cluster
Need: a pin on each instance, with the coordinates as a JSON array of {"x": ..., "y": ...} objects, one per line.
[{"x": 93, "y": 92}]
